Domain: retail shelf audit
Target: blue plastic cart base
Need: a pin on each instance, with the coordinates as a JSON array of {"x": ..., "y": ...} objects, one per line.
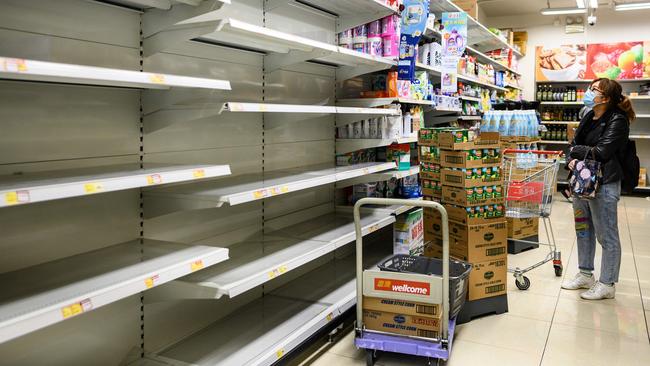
[{"x": 410, "y": 346}]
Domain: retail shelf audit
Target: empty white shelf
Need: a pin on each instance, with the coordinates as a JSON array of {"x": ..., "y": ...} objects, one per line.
[
  {"x": 46, "y": 186},
  {"x": 562, "y": 103},
  {"x": 640, "y": 137},
  {"x": 472, "y": 99},
  {"x": 377, "y": 209},
  {"x": 470, "y": 118},
  {"x": 38, "y": 296},
  {"x": 255, "y": 262},
  {"x": 271, "y": 327},
  {"x": 31, "y": 70},
  {"x": 349, "y": 145},
  {"x": 472, "y": 80},
  {"x": 433, "y": 70},
  {"x": 380, "y": 177},
  {"x": 337, "y": 229},
  {"x": 376, "y": 102},
  {"x": 352, "y": 12},
  {"x": 247, "y": 188},
  {"x": 297, "y": 108}
]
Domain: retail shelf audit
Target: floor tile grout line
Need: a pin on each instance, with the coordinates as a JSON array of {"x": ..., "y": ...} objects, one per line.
[
  {"x": 636, "y": 270},
  {"x": 609, "y": 332},
  {"x": 557, "y": 302}
]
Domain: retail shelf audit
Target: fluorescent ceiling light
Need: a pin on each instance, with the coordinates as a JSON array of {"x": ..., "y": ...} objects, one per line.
[
  {"x": 632, "y": 6},
  {"x": 560, "y": 11},
  {"x": 580, "y": 4},
  {"x": 593, "y": 4}
]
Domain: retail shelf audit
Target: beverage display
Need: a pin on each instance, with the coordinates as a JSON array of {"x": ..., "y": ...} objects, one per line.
[
  {"x": 561, "y": 114},
  {"x": 549, "y": 93},
  {"x": 554, "y": 133},
  {"x": 511, "y": 123}
]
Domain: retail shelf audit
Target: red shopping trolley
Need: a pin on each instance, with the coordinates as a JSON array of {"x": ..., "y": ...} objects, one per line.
[{"x": 530, "y": 178}]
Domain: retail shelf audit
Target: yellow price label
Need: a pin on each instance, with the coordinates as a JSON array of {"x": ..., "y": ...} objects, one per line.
[
  {"x": 284, "y": 189},
  {"x": 279, "y": 353},
  {"x": 15, "y": 64},
  {"x": 11, "y": 198},
  {"x": 76, "y": 308},
  {"x": 154, "y": 179},
  {"x": 198, "y": 173},
  {"x": 330, "y": 317},
  {"x": 196, "y": 265},
  {"x": 157, "y": 78},
  {"x": 277, "y": 272},
  {"x": 373, "y": 228},
  {"x": 93, "y": 187},
  {"x": 262, "y": 108},
  {"x": 366, "y": 171},
  {"x": 260, "y": 194}
]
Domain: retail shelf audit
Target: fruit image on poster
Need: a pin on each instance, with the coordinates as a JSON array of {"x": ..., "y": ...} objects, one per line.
[
  {"x": 622, "y": 60},
  {"x": 563, "y": 63}
]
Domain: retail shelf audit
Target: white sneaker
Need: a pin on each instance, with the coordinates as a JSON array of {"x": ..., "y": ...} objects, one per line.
[
  {"x": 599, "y": 291},
  {"x": 581, "y": 280}
]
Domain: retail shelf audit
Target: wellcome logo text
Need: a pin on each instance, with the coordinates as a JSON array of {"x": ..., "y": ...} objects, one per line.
[{"x": 406, "y": 287}]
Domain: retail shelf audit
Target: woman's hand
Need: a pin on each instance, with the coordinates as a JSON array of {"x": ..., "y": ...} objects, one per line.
[{"x": 572, "y": 164}]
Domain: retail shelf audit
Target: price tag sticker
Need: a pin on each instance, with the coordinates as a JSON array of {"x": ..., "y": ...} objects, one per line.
[
  {"x": 260, "y": 194},
  {"x": 330, "y": 316},
  {"x": 373, "y": 228},
  {"x": 284, "y": 189},
  {"x": 366, "y": 171},
  {"x": 157, "y": 78},
  {"x": 278, "y": 271},
  {"x": 16, "y": 197},
  {"x": 279, "y": 353},
  {"x": 93, "y": 187},
  {"x": 154, "y": 179},
  {"x": 15, "y": 65},
  {"x": 76, "y": 308},
  {"x": 196, "y": 265},
  {"x": 262, "y": 108},
  {"x": 198, "y": 173},
  {"x": 150, "y": 282}
]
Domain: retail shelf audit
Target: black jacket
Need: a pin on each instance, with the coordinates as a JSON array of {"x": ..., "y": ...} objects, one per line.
[{"x": 611, "y": 134}]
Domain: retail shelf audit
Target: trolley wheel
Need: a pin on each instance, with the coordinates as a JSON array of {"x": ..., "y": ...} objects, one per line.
[
  {"x": 523, "y": 286},
  {"x": 371, "y": 357},
  {"x": 434, "y": 362}
]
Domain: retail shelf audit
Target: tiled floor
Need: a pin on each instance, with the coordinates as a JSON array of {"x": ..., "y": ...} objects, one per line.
[{"x": 550, "y": 326}]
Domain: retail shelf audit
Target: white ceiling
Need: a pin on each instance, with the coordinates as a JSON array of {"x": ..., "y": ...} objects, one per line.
[{"x": 497, "y": 8}]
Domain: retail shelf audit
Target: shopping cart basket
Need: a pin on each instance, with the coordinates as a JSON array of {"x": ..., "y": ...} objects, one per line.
[
  {"x": 417, "y": 279},
  {"x": 530, "y": 178}
]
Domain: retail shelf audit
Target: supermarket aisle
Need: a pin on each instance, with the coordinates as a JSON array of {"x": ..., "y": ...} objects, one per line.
[{"x": 550, "y": 326}]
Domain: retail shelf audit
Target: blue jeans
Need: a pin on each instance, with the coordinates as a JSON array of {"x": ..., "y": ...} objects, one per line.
[{"x": 598, "y": 218}]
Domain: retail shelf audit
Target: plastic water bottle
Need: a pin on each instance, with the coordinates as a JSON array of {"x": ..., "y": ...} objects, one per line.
[
  {"x": 504, "y": 123},
  {"x": 515, "y": 124},
  {"x": 485, "y": 121}
]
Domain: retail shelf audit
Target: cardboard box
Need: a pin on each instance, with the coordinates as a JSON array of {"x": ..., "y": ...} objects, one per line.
[
  {"x": 408, "y": 233},
  {"x": 642, "y": 177},
  {"x": 458, "y": 178},
  {"x": 459, "y": 214},
  {"x": 401, "y": 306},
  {"x": 460, "y": 159},
  {"x": 470, "y": 243},
  {"x": 523, "y": 228},
  {"x": 488, "y": 279},
  {"x": 486, "y": 140},
  {"x": 432, "y": 247},
  {"x": 469, "y": 6},
  {"x": 466, "y": 196},
  {"x": 412, "y": 325}
]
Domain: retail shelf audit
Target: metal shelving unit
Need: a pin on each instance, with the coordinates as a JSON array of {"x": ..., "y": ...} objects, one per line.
[
  {"x": 60, "y": 290},
  {"x": 348, "y": 145},
  {"x": 39, "y": 187},
  {"x": 380, "y": 177}
]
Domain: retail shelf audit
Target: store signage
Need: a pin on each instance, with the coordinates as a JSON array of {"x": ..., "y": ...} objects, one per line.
[
  {"x": 617, "y": 61},
  {"x": 414, "y": 22},
  {"x": 400, "y": 286},
  {"x": 454, "y": 41}
]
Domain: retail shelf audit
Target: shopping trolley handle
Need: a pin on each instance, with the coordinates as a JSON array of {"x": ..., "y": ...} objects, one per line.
[{"x": 538, "y": 152}]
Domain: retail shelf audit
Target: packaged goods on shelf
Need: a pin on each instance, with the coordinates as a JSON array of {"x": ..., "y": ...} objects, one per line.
[
  {"x": 356, "y": 157},
  {"x": 511, "y": 123},
  {"x": 429, "y": 170},
  {"x": 409, "y": 187},
  {"x": 521, "y": 228},
  {"x": 468, "y": 6},
  {"x": 400, "y": 154},
  {"x": 432, "y": 188},
  {"x": 408, "y": 233},
  {"x": 364, "y": 190}
]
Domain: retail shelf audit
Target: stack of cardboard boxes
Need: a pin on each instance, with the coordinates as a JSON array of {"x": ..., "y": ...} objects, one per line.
[{"x": 471, "y": 190}]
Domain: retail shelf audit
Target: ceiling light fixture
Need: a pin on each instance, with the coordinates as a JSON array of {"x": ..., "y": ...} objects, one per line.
[
  {"x": 632, "y": 6},
  {"x": 560, "y": 11},
  {"x": 593, "y": 4}
]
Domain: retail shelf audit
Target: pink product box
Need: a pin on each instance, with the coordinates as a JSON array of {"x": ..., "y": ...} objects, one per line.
[
  {"x": 391, "y": 46},
  {"x": 375, "y": 29},
  {"x": 376, "y": 46},
  {"x": 389, "y": 25}
]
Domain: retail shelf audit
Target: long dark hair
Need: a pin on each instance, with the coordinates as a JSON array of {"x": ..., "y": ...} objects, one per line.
[{"x": 614, "y": 91}]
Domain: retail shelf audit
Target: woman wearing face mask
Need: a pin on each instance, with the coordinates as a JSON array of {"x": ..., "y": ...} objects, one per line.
[{"x": 603, "y": 131}]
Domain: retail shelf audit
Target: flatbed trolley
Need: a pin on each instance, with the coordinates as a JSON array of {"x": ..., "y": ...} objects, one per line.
[
  {"x": 530, "y": 178},
  {"x": 372, "y": 340}
]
